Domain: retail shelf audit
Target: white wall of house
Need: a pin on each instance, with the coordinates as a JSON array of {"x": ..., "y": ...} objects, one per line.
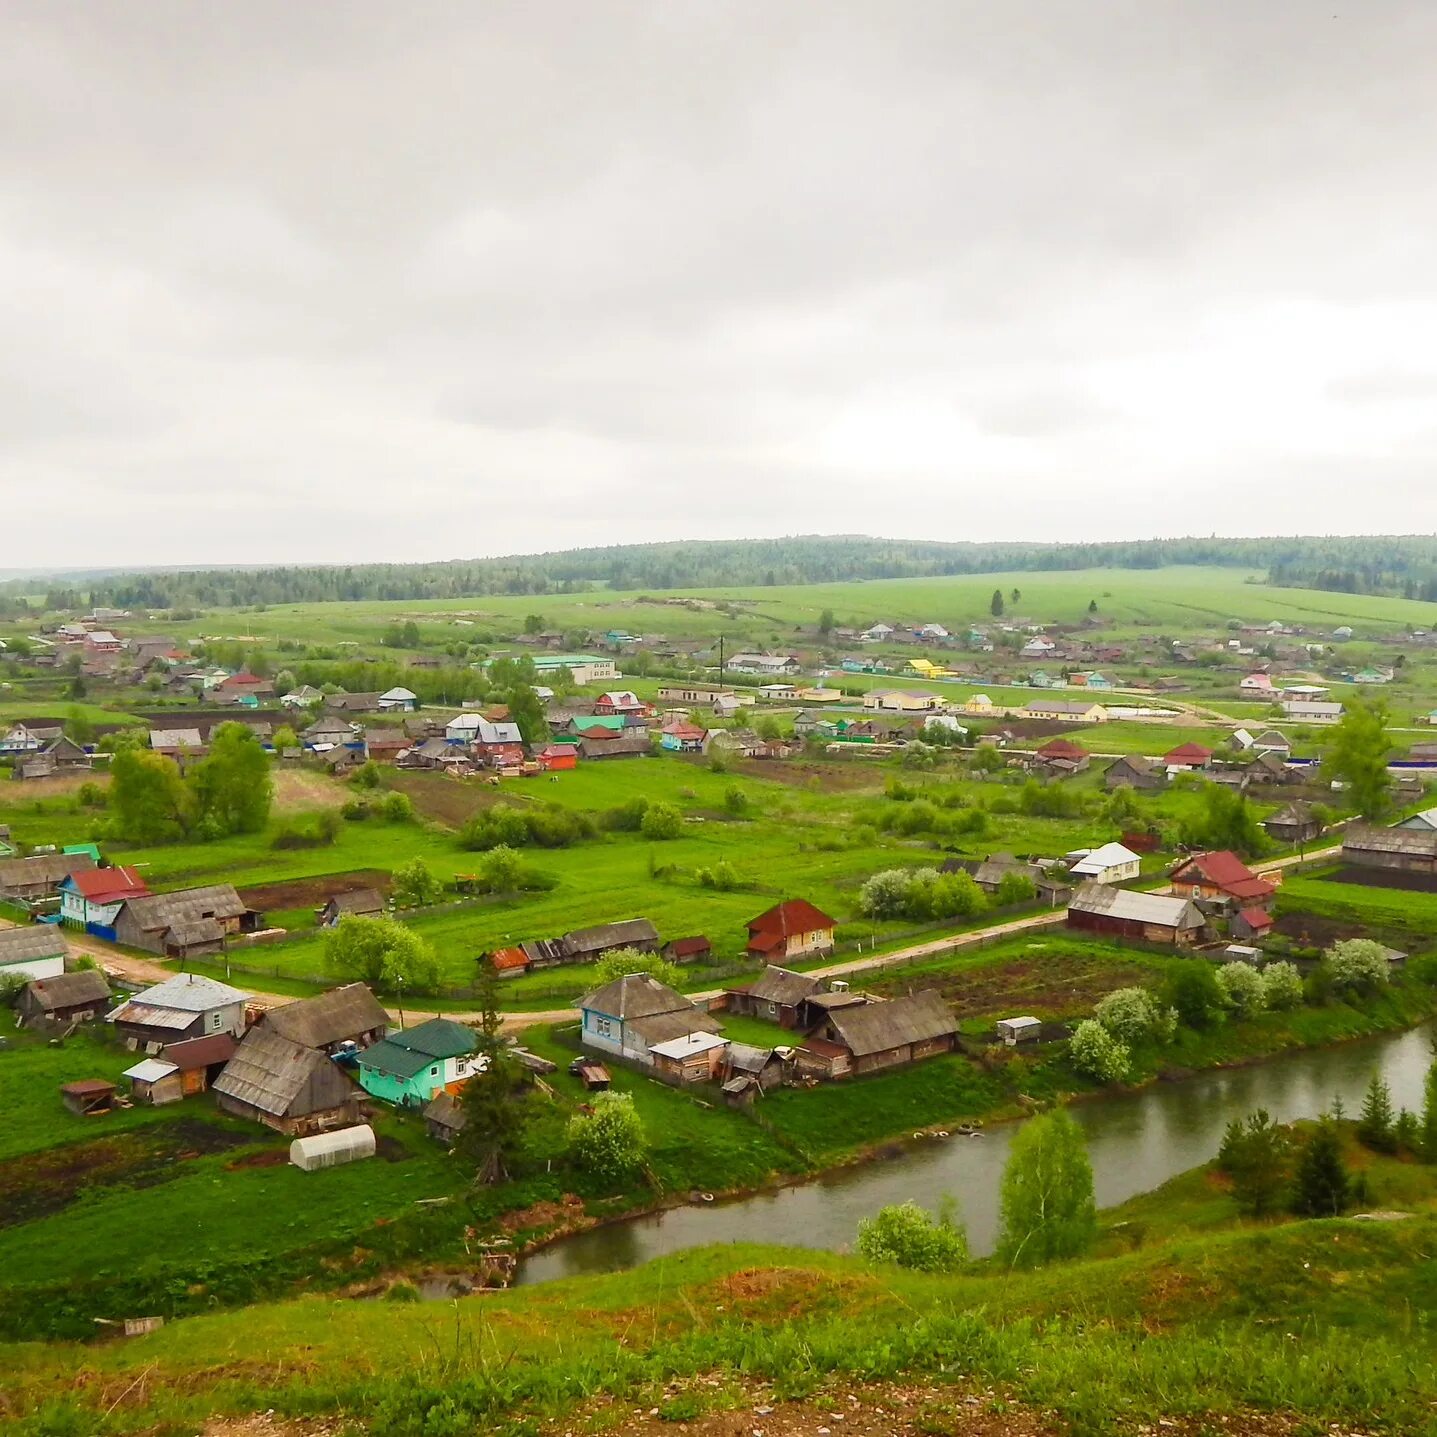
[{"x": 28, "y": 968}]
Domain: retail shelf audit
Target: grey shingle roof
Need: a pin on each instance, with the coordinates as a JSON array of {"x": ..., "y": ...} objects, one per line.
[
  {"x": 781, "y": 986},
  {"x": 68, "y": 990},
  {"x": 167, "y": 910},
  {"x": 879, "y": 1027},
  {"x": 269, "y": 1072},
  {"x": 1161, "y": 909},
  {"x": 636, "y": 995},
  {"x": 328, "y": 1017},
  {"x": 610, "y": 935},
  {"x": 42, "y": 940}
]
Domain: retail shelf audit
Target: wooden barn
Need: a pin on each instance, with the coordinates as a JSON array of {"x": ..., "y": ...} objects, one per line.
[{"x": 1123, "y": 913}]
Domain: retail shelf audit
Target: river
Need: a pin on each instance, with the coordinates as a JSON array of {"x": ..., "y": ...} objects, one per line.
[{"x": 1136, "y": 1143}]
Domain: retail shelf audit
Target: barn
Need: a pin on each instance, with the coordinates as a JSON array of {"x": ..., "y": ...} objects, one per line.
[{"x": 1123, "y": 913}]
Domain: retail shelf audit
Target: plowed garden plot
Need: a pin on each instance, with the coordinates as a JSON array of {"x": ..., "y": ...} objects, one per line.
[
  {"x": 1056, "y": 985},
  {"x": 1383, "y": 878},
  {"x": 451, "y": 801},
  {"x": 39, "y": 1184},
  {"x": 312, "y": 892},
  {"x": 837, "y": 776}
]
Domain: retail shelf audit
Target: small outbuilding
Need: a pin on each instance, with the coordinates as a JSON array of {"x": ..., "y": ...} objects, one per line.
[
  {"x": 332, "y": 1150},
  {"x": 155, "y": 1082},
  {"x": 88, "y": 1095},
  {"x": 1012, "y": 1031},
  {"x": 691, "y": 1058},
  {"x": 444, "y": 1118},
  {"x": 77, "y": 997}
]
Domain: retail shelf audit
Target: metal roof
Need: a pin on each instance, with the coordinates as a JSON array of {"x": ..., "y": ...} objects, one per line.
[
  {"x": 150, "y": 1070},
  {"x": 688, "y": 1045},
  {"x": 1161, "y": 909},
  {"x": 191, "y": 993}
]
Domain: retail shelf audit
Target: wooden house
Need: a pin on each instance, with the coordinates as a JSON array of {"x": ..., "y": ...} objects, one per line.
[
  {"x": 355, "y": 903},
  {"x": 38, "y": 951},
  {"x": 34, "y": 880},
  {"x": 286, "y": 1086},
  {"x": 695, "y": 1057},
  {"x": 1221, "y": 877},
  {"x": 891, "y": 1034},
  {"x": 791, "y": 929},
  {"x": 629, "y": 1016},
  {"x": 776, "y": 995},
  {"x": 341, "y": 1020},
  {"x": 187, "y": 923},
  {"x": 1135, "y": 772},
  {"x": 696, "y": 949},
  {"x": 91, "y": 898},
  {"x": 1188, "y": 758},
  {"x": 1295, "y": 823},
  {"x": 587, "y": 945},
  {"x": 410, "y": 1066},
  {"x": 189, "y": 1005},
  {"x": 1123, "y": 913},
  {"x": 1110, "y": 863},
  {"x": 1401, "y": 850},
  {"x": 78, "y": 997}
]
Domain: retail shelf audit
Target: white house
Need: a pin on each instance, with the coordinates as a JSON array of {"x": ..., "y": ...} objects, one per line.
[
  {"x": 1309, "y": 711},
  {"x": 463, "y": 728},
  {"x": 398, "y": 699},
  {"x": 34, "y": 952},
  {"x": 933, "y": 631},
  {"x": 764, "y": 665},
  {"x": 877, "y": 634},
  {"x": 1112, "y": 863}
]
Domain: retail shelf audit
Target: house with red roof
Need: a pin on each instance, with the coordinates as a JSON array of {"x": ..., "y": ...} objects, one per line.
[
  {"x": 509, "y": 962},
  {"x": 621, "y": 701},
  {"x": 1061, "y": 756},
  {"x": 1222, "y": 877},
  {"x": 791, "y": 929},
  {"x": 558, "y": 756},
  {"x": 92, "y": 897},
  {"x": 1191, "y": 757},
  {"x": 680, "y": 736},
  {"x": 243, "y": 688}
]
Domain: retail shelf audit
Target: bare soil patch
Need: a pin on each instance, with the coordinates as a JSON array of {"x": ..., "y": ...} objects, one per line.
[
  {"x": 313, "y": 892},
  {"x": 301, "y": 788},
  {"x": 442, "y": 799},
  {"x": 1384, "y": 878},
  {"x": 839, "y": 776},
  {"x": 1308, "y": 930}
]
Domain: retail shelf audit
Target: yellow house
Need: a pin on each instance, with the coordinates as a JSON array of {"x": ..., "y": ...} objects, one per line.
[
  {"x": 820, "y": 696},
  {"x": 927, "y": 669},
  {"x": 900, "y": 701},
  {"x": 1071, "y": 712},
  {"x": 980, "y": 705}
]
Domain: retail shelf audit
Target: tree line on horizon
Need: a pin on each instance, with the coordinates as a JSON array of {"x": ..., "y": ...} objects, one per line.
[{"x": 1405, "y": 566}]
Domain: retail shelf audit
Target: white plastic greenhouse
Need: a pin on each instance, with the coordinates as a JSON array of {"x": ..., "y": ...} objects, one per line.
[{"x": 329, "y": 1150}]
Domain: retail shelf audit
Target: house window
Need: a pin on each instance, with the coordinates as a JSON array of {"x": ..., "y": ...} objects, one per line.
[
  {"x": 603, "y": 1028},
  {"x": 772, "y": 1009},
  {"x": 434, "y": 1072},
  {"x": 216, "y": 1019}
]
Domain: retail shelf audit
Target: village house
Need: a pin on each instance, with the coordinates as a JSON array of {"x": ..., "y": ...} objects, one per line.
[
  {"x": 1294, "y": 824},
  {"x": 1273, "y": 742},
  {"x": 178, "y": 743},
  {"x": 38, "y": 951},
  {"x": 621, "y": 701},
  {"x": 748, "y": 1071},
  {"x": 498, "y": 743},
  {"x": 627, "y": 1017},
  {"x": 22, "y": 738},
  {"x": 245, "y": 689},
  {"x": 696, "y": 949},
  {"x": 1061, "y": 758},
  {"x": 356, "y": 903},
  {"x": 694, "y": 695},
  {"x": 367, "y": 703},
  {"x": 875, "y": 1035},
  {"x": 586, "y": 945},
  {"x": 1257, "y": 684},
  {"x": 1067, "y": 710},
  {"x": 397, "y": 700},
  {"x": 286, "y": 1086},
  {"x": 602, "y": 745},
  {"x": 78, "y": 997},
  {"x": 679, "y": 736},
  {"x": 328, "y": 731},
  {"x": 737, "y": 743},
  {"x": 776, "y": 995},
  {"x": 302, "y": 697},
  {"x": 1401, "y": 850},
  {"x": 1124, "y": 913},
  {"x": 1188, "y": 758},
  {"x": 1424, "y": 822},
  {"x": 1112, "y": 863},
  {"x": 91, "y": 898},
  {"x": 189, "y": 1005},
  {"x": 344, "y": 1019},
  {"x": 34, "y": 880},
  {"x": 180, "y": 1070},
  {"x": 692, "y": 1058},
  {"x": 188, "y": 923},
  {"x": 1222, "y": 878},
  {"x": 1312, "y": 711},
  {"x": 901, "y": 701},
  {"x": 409, "y": 1067},
  {"x": 1135, "y": 772},
  {"x": 791, "y": 929},
  {"x": 558, "y": 757},
  {"x": 765, "y": 665}
]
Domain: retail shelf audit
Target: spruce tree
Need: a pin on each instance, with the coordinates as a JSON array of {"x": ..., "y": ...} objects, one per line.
[
  {"x": 996, "y": 606},
  {"x": 1375, "y": 1122},
  {"x": 1323, "y": 1187},
  {"x": 1429, "y": 1116}
]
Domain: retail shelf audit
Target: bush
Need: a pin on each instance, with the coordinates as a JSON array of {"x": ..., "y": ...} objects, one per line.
[
  {"x": 610, "y": 1142},
  {"x": 90, "y": 795},
  {"x": 1356, "y": 965},
  {"x": 1243, "y": 988},
  {"x": 661, "y": 822},
  {"x": 906, "y": 1235},
  {"x": 11, "y": 987},
  {"x": 1096, "y": 1054},
  {"x": 415, "y": 886},
  {"x": 626, "y": 817},
  {"x": 1194, "y": 993},
  {"x": 1133, "y": 1015},
  {"x": 622, "y": 961},
  {"x": 1281, "y": 986},
  {"x": 551, "y": 826},
  {"x": 396, "y": 808}
]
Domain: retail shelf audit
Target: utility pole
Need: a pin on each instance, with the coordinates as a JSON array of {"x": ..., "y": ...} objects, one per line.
[{"x": 721, "y": 658}]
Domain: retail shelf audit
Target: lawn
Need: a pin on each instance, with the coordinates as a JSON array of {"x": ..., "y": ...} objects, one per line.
[{"x": 1391, "y": 911}]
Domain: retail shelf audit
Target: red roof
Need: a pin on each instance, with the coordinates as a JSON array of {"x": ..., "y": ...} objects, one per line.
[
  {"x": 1062, "y": 748},
  {"x": 1188, "y": 753},
  {"x": 1256, "y": 918},
  {"x": 684, "y": 730},
  {"x": 507, "y": 959},
  {"x": 108, "y": 885},
  {"x": 795, "y": 915},
  {"x": 687, "y": 947},
  {"x": 1225, "y": 870},
  {"x": 195, "y": 1053},
  {"x": 242, "y": 678}
]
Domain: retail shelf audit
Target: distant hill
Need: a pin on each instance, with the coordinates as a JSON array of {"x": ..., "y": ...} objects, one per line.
[{"x": 1401, "y": 565}]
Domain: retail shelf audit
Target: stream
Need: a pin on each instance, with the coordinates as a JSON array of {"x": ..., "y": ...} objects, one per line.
[{"x": 1136, "y": 1142}]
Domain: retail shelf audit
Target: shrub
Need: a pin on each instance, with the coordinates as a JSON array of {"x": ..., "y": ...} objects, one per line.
[
  {"x": 626, "y": 817},
  {"x": 1356, "y": 965},
  {"x": 1133, "y": 1015},
  {"x": 622, "y": 961},
  {"x": 661, "y": 822},
  {"x": 1243, "y": 988},
  {"x": 609, "y": 1142},
  {"x": 906, "y": 1235},
  {"x": 1095, "y": 1053},
  {"x": 90, "y": 795},
  {"x": 396, "y": 808},
  {"x": 1195, "y": 994},
  {"x": 1281, "y": 986},
  {"x": 11, "y": 987},
  {"x": 1256, "y": 1155}
]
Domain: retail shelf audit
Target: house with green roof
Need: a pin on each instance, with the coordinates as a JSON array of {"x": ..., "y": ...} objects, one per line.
[{"x": 409, "y": 1067}]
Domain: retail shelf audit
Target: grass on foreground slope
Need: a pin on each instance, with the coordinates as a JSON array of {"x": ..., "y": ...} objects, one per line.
[{"x": 1330, "y": 1320}]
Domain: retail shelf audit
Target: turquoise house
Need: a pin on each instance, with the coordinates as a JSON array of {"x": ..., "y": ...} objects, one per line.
[{"x": 409, "y": 1067}]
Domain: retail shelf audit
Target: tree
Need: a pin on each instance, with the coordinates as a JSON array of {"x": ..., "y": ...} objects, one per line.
[
  {"x": 610, "y": 1141},
  {"x": 1133, "y": 1015},
  {"x": 497, "y": 1098},
  {"x": 533, "y": 623},
  {"x": 1194, "y": 993},
  {"x": 1015, "y": 595},
  {"x": 1356, "y": 965},
  {"x": 1227, "y": 820},
  {"x": 284, "y": 682},
  {"x": 1322, "y": 1187},
  {"x": 1257, "y": 1156},
  {"x": 885, "y": 894},
  {"x": 396, "y": 807},
  {"x": 661, "y": 822},
  {"x": 907, "y": 1235},
  {"x": 1092, "y": 606},
  {"x": 1357, "y": 757},
  {"x": 1243, "y": 988},
  {"x": 1015, "y": 888},
  {"x": 1047, "y": 1207},
  {"x": 1428, "y": 1138},
  {"x": 1095, "y": 1053},
  {"x": 284, "y": 738},
  {"x": 825, "y": 622},
  {"x": 415, "y": 886},
  {"x": 233, "y": 785},
  {"x": 995, "y": 605},
  {"x": 381, "y": 952},
  {"x": 1376, "y": 1120},
  {"x": 149, "y": 800},
  {"x": 1281, "y": 986},
  {"x": 78, "y": 728},
  {"x": 622, "y": 961},
  {"x": 527, "y": 710}
]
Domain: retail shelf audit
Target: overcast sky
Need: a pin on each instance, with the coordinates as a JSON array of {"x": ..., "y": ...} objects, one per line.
[{"x": 343, "y": 281}]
